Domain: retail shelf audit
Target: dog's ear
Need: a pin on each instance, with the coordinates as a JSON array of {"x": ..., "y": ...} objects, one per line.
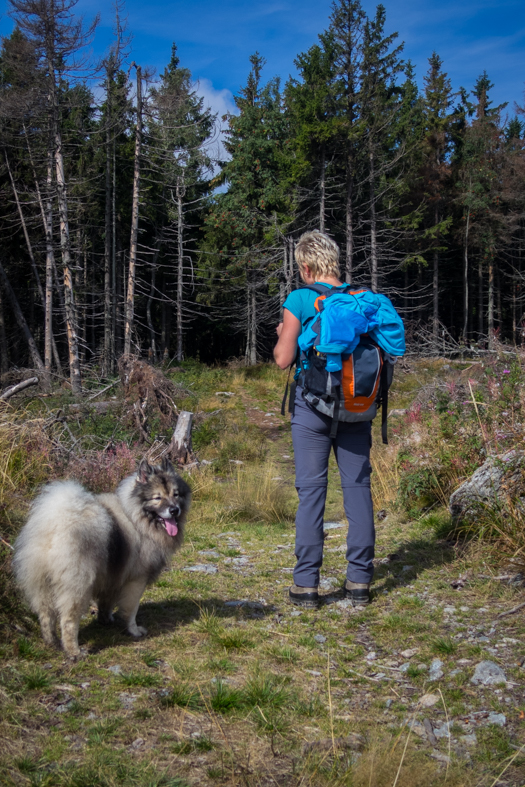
[
  {"x": 166, "y": 465},
  {"x": 144, "y": 471}
]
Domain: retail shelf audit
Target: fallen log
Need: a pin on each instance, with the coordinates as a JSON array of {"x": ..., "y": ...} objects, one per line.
[{"x": 14, "y": 389}]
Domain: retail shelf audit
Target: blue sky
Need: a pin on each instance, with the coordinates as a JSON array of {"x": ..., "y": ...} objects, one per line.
[{"x": 215, "y": 39}]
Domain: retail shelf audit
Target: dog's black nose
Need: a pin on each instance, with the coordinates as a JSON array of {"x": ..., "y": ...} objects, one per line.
[{"x": 175, "y": 510}]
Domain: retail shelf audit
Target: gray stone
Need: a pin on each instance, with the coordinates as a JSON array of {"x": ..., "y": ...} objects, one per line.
[
  {"x": 417, "y": 728},
  {"x": 407, "y": 654},
  {"x": 116, "y": 669},
  {"x": 127, "y": 700},
  {"x": 404, "y": 667},
  {"x": 328, "y": 583},
  {"x": 435, "y": 670},
  {"x": 468, "y": 740},
  {"x": 442, "y": 730},
  {"x": 488, "y": 673},
  {"x": 209, "y": 553},
  {"x": 320, "y": 638},
  {"x": 497, "y": 718},
  {"x": 240, "y": 561},
  {"x": 484, "y": 485},
  {"x": 314, "y": 673},
  {"x": 65, "y": 706},
  {"x": 444, "y": 758},
  {"x": 203, "y": 568},
  {"x": 333, "y": 525},
  {"x": 428, "y": 700}
]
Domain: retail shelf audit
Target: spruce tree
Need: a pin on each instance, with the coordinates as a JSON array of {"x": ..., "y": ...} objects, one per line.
[{"x": 243, "y": 227}]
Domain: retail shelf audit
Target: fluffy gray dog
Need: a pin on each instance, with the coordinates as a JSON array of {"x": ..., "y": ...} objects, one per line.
[{"x": 77, "y": 547}]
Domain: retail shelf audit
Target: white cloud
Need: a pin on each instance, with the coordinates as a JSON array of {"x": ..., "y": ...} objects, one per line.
[{"x": 221, "y": 104}]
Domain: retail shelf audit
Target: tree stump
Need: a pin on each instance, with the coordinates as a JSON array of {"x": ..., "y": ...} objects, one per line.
[{"x": 180, "y": 450}]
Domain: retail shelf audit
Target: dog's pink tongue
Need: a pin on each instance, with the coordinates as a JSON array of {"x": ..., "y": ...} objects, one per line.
[{"x": 171, "y": 527}]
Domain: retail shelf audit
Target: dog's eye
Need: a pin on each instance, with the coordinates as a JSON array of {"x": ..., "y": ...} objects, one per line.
[{"x": 157, "y": 498}]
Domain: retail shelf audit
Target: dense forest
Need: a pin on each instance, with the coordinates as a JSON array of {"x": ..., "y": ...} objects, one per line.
[{"x": 122, "y": 232}]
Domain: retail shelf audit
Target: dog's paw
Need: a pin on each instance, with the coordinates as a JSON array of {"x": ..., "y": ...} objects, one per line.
[{"x": 137, "y": 631}]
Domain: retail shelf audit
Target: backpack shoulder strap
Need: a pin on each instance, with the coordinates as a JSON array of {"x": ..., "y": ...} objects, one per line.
[{"x": 322, "y": 289}]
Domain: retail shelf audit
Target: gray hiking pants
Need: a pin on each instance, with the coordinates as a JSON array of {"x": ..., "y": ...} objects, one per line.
[{"x": 312, "y": 445}]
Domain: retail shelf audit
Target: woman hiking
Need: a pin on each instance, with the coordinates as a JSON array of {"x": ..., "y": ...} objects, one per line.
[{"x": 317, "y": 257}]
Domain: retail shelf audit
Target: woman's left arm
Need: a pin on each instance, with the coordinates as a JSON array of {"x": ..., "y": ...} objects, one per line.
[{"x": 288, "y": 332}]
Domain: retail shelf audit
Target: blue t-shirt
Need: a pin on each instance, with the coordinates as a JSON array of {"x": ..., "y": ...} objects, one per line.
[{"x": 301, "y": 303}]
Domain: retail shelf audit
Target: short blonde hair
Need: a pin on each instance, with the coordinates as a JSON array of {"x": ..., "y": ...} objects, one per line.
[{"x": 319, "y": 252}]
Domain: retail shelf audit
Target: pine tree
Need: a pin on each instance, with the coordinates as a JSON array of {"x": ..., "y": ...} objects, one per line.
[
  {"x": 178, "y": 132},
  {"x": 311, "y": 105},
  {"x": 435, "y": 172},
  {"x": 243, "y": 225}
]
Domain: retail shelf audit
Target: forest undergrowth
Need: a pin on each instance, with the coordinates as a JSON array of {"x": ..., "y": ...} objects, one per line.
[{"x": 232, "y": 685}]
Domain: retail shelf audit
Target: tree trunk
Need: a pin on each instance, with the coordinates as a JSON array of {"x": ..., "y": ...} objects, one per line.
[
  {"x": 46, "y": 377},
  {"x": 253, "y": 329},
  {"x": 69, "y": 297},
  {"x": 180, "y": 450},
  {"x": 107, "y": 356},
  {"x": 291, "y": 268},
  {"x": 465, "y": 280},
  {"x": 435, "y": 286},
  {"x": 373, "y": 225},
  {"x": 283, "y": 282},
  {"x": 47, "y": 222},
  {"x": 21, "y": 322},
  {"x": 133, "y": 246},
  {"x": 114, "y": 259},
  {"x": 491, "y": 305},
  {"x": 152, "y": 340},
  {"x": 349, "y": 223},
  {"x": 4, "y": 358},
  {"x": 248, "y": 322},
  {"x": 480, "y": 298},
  {"x": 322, "y": 201},
  {"x": 180, "y": 266}
]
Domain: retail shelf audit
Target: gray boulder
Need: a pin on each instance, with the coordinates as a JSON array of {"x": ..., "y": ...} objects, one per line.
[{"x": 499, "y": 476}]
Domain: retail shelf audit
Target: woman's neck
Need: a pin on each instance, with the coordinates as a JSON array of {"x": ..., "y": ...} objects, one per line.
[{"x": 333, "y": 280}]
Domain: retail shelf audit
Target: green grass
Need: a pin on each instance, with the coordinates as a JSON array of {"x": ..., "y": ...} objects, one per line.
[
  {"x": 224, "y": 699},
  {"x": 444, "y": 646},
  {"x": 139, "y": 679},
  {"x": 235, "y": 695},
  {"x": 183, "y": 697},
  {"x": 36, "y": 679}
]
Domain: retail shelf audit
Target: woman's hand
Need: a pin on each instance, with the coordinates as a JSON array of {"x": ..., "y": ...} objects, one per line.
[{"x": 288, "y": 332}]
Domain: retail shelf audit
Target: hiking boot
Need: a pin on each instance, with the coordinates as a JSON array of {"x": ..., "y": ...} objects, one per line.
[
  {"x": 304, "y": 597},
  {"x": 358, "y": 592}
]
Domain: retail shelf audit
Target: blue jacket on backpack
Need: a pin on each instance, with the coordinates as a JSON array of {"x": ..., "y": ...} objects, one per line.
[{"x": 345, "y": 317}]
